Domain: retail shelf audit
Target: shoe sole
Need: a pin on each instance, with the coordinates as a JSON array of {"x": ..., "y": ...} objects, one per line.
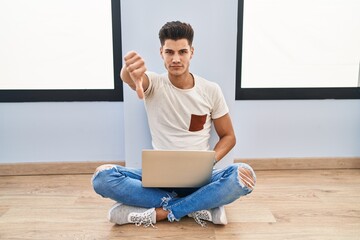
[
  {"x": 223, "y": 218},
  {"x": 111, "y": 209}
]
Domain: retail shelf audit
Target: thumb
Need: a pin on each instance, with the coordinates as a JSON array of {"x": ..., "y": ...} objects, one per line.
[{"x": 139, "y": 89}]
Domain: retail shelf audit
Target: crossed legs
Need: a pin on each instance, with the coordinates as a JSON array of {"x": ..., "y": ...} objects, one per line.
[{"x": 124, "y": 185}]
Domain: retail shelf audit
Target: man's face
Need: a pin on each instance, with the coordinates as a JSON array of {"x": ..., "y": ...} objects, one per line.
[{"x": 177, "y": 55}]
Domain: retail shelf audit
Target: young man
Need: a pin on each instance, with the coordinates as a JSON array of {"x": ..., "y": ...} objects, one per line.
[{"x": 181, "y": 108}]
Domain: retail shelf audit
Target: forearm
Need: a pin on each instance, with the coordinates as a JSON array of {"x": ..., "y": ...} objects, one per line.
[
  {"x": 125, "y": 77},
  {"x": 223, "y": 146}
]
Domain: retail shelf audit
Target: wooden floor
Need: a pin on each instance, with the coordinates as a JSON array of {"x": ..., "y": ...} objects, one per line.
[{"x": 287, "y": 204}]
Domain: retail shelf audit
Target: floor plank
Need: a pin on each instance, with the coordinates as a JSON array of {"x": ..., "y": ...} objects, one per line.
[{"x": 286, "y": 204}]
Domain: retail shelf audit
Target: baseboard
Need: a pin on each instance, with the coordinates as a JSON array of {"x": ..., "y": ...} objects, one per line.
[
  {"x": 302, "y": 163},
  {"x": 42, "y": 168}
]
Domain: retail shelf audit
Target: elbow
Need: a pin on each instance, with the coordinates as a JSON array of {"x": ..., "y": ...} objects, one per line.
[{"x": 233, "y": 141}]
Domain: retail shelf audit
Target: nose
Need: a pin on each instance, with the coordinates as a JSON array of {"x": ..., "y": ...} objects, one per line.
[{"x": 176, "y": 58}]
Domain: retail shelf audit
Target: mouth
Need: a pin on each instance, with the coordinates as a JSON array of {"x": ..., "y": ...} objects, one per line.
[{"x": 175, "y": 66}]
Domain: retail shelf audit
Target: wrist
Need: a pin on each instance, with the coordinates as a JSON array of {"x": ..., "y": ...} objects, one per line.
[{"x": 215, "y": 161}]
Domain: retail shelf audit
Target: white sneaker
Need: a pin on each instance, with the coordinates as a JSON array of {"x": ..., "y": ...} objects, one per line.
[
  {"x": 215, "y": 215},
  {"x": 123, "y": 214}
]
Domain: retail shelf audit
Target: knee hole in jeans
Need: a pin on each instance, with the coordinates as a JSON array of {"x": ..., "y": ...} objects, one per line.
[
  {"x": 104, "y": 167},
  {"x": 246, "y": 177}
]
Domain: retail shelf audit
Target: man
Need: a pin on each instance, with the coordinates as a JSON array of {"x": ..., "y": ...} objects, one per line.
[{"x": 181, "y": 108}]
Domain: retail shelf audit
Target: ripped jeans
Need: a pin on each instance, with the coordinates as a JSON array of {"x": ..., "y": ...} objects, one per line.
[{"x": 124, "y": 185}]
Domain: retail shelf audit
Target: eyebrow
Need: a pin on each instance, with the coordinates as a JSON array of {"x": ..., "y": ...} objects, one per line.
[{"x": 183, "y": 49}]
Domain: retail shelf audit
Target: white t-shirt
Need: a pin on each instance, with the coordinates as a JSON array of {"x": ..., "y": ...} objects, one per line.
[{"x": 182, "y": 118}]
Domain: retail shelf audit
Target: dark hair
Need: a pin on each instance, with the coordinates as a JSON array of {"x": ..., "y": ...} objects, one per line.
[{"x": 176, "y": 30}]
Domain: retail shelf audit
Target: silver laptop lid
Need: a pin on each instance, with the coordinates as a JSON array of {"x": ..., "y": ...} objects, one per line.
[{"x": 176, "y": 168}]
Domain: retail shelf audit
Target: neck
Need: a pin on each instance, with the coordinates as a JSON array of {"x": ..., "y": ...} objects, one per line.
[{"x": 185, "y": 81}]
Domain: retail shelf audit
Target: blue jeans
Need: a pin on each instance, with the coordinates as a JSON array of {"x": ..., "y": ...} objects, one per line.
[{"x": 124, "y": 185}]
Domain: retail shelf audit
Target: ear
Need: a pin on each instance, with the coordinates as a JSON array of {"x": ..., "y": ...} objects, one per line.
[
  {"x": 161, "y": 52},
  {"x": 192, "y": 52}
]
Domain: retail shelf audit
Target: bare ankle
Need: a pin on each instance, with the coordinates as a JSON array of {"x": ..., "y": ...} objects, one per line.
[{"x": 161, "y": 214}]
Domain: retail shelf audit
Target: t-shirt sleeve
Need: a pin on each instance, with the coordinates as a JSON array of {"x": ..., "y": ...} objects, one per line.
[
  {"x": 220, "y": 107},
  {"x": 151, "y": 76}
]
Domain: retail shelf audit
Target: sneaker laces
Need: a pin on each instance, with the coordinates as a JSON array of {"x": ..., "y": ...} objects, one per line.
[
  {"x": 142, "y": 218},
  {"x": 199, "y": 216}
]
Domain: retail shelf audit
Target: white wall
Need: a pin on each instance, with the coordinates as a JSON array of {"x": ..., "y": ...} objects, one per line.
[
  {"x": 95, "y": 131},
  {"x": 297, "y": 128},
  {"x": 51, "y": 132},
  {"x": 214, "y": 57}
]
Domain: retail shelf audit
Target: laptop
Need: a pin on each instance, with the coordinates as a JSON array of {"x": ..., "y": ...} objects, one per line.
[{"x": 176, "y": 168}]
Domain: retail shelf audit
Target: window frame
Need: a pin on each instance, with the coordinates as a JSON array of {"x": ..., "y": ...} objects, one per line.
[
  {"x": 68, "y": 95},
  {"x": 282, "y": 93}
]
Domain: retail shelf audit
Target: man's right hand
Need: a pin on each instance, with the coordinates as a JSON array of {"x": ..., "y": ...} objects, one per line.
[{"x": 135, "y": 67}]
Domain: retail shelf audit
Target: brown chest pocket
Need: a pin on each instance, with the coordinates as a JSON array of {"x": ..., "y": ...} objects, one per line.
[{"x": 197, "y": 122}]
